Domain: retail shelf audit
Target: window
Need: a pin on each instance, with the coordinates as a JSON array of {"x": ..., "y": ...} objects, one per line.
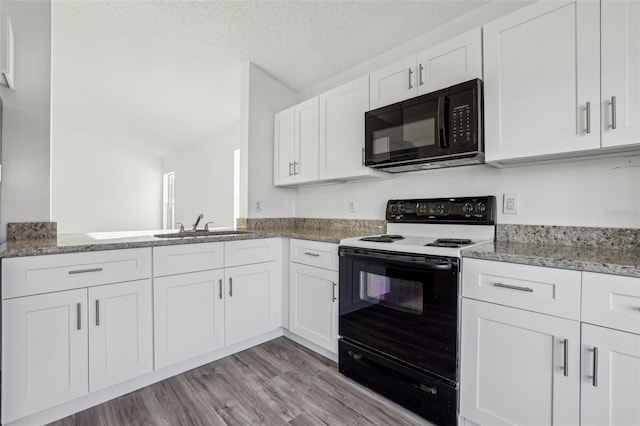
[{"x": 168, "y": 200}]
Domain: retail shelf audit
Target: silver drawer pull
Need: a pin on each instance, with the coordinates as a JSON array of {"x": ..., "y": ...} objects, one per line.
[
  {"x": 312, "y": 254},
  {"x": 565, "y": 368},
  {"x": 84, "y": 271},
  {"x": 594, "y": 378},
  {"x": 78, "y": 316},
  {"x": 513, "y": 287}
]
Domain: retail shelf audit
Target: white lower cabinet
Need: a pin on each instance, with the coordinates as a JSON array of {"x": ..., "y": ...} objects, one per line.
[
  {"x": 518, "y": 367},
  {"x": 45, "y": 353},
  {"x": 120, "y": 333},
  {"x": 189, "y": 316},
  {"x": 252, "y": 301},
  {"x": 60, "y": 346},
  {"x": 313, "y": 310},
  {"x": 610, "y": 377}
]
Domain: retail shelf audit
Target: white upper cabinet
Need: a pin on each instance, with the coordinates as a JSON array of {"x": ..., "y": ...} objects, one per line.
[
  {"x": 296, "y": 144},
  {"x": 620, "y": 72},
  {"x": 454, "y": 61},
  {"x": 342, "y": 131},
  {"x": 542, "y": 81},
  {"x": 283, "y": 146},
  {"x": 394, "y": 83}
]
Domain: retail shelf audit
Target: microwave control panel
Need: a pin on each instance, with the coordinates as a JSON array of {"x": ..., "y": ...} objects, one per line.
[{"x": 462, "y": 120}]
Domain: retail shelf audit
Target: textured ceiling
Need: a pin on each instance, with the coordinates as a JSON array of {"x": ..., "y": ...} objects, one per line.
[{"x": 158, "y": 75}]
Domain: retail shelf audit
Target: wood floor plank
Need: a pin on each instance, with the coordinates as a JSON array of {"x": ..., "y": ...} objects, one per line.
[{"x": 276, "y": 383}]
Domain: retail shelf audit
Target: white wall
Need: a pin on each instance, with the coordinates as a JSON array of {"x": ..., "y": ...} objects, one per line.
[
  {"x": 262, "y": 97},
  {"x": 101, "y": 186},
  {"x": 26, "y": 122},
  {"x": 598, "y": 192},
  {"x": 204, "y": 179}
]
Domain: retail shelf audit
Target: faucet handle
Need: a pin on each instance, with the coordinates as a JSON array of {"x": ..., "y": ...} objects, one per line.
[
  {"x": 206, "y": 226},
  {"x": 181, "y": 227}
]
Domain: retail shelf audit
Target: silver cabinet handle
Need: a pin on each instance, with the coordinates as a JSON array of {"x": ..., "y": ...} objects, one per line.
[
  {"x": 230, "y": 287},
  {"x": 363, "y": 156},
  {"x": 594, "y": 379},
  {"x": 588, "y": 117},
  {"x": 97, "y": 312},
  {"x": 78, "y": 313},
  {"x": 220, "y": 288},
  {"x": 295, "y": 167},
  {"x": 290, "y": 166},
  {"x": 410, "y": 73},
  {"x": 334, "y": 292},
  {"x": 513, "y": 287},
  {"x": 308, "y": 253},
  {"x": 84, "y": 271},
  {"x": 420, "y": 82},
  {"x": 613, "y": 113},
  {"x": 566, "y": 357}
]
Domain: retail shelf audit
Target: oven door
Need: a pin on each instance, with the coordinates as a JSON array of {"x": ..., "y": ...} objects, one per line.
[{"x": 401, "y": 305}]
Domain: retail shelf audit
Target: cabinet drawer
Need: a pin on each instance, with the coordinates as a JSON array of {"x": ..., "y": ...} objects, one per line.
[
  {"x": 314, "y": 253},
  {"x": 611, "y": 300},
  {"x": 23, "y": 276},
  {"x": 245, "y": 252},
  {"x": 171, "y": 260},
  {"x": 547, "y": 290}
]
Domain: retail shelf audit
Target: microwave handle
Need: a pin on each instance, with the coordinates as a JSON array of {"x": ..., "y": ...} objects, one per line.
[{"x": 443, "y": 102}]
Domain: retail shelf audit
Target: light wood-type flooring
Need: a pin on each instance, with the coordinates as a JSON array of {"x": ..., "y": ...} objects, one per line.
[{"x": 276, "y": 383}]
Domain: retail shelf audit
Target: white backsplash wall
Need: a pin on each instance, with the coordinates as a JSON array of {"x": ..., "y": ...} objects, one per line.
[
  {"x": 99, "y": 186},
  {"x": 204, "y": 179},
  {"x": 26, "y": 122},
  {"x": 597, "y": 192}
]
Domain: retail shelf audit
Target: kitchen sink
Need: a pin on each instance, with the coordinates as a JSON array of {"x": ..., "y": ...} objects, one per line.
[{"x": 200, "y": 233}]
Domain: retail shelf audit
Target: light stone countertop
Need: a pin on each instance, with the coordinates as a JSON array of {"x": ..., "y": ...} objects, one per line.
[
  {"x": 76, "y": 243},
  {"x": 592, "y": 259}
]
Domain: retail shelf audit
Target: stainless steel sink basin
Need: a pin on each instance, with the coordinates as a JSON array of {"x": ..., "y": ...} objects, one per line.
[{"x": 200, "y": 233}]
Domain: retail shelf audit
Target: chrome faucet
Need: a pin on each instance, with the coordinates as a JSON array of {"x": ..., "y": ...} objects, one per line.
[{"x": 195, "y": 225}]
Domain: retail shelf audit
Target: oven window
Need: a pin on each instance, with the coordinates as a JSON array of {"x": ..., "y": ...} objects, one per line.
[{"x": 395, "y": 293}]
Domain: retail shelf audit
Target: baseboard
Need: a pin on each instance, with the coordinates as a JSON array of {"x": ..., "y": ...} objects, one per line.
[{"x": 310, "y": 345}]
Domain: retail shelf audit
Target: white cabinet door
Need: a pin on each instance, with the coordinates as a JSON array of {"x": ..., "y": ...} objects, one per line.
[
  {"x": 542, "y": 81},
  {"x": 394, "y": 83},
  {"x": 513, "y": 367},
  {"x": 188, "y": 316},
  {"x": 305, "y": 161},
  {"x": 342, "y": 130},
  {"x": 121, "y": 333},
  {"x": 252, "y": 301},
  {"x": 612, "y": 398},
  {"x": 45, "y": 352},
  {"x": 283, "y": 146},
  {"x": 620, "y": 72},
  {"x": 455, "y": 61},
  {"x": 313, "y": 305}
]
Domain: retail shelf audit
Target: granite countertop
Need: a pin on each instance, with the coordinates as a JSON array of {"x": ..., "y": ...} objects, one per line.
[
  {"x": 592, "y": 259},
  {"x": 74, "y": 243}
]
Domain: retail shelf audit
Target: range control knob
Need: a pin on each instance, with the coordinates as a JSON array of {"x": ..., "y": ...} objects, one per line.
[
  {"x": 393, "y": 208},
  {"x": 481, "y": 207},
  {"x": 467, "y": 208},
  {"x": 402, "y": 208}
]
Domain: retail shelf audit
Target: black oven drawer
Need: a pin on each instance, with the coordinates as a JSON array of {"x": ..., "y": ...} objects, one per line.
[{"x": 432, "y": 399}]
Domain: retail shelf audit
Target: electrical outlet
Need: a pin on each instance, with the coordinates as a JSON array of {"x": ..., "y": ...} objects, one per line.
[
  {"x": 510, "y": 204},
  {"x": 258, "y": 206},
  {"x": 353, "y": 206}
]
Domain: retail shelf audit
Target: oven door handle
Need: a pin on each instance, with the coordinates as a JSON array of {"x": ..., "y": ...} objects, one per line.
[{"x": 425, "y": 263}]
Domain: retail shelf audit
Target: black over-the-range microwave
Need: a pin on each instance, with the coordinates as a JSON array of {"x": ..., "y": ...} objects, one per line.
[{"x": 439, "y": 129}]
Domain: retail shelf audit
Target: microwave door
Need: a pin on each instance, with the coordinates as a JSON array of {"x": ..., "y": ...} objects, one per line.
[{"x": 424, "y": 127}]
